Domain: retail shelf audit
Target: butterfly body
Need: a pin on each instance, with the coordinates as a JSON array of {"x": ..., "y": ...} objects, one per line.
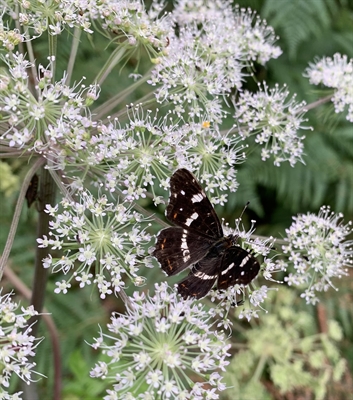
[
  {"x": 197, "y": 241},
  {"x": 221, "y": 245}
]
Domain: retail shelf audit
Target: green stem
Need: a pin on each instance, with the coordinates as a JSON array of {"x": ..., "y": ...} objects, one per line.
[
  {"x": 276, "y": 240},
  {"x": 315, "y": 104},
  {"x": 17, "y": 213},
  {"x": 53, "y": 41},
  {"x": 115, "y": 57},
  {"x": 145, "y": 102},
  {"x": 46, "y": 196},
  {"x": 10, "y": 153},
  {"x": 106, "y": 107},
  {"x": 32, "y": 82},
  {"x": 62, "y": 184},
  {"x": 73, "y": 53},
  {"x": 260, "y": 368},
  {"x": 18, "y": 27}
]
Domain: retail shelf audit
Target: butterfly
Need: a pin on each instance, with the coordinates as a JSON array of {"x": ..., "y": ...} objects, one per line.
[
  {"x": 197, "y": 241},
  {"x": 32, "y": 191}
]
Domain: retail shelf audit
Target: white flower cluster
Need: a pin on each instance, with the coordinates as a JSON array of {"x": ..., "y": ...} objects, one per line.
[
  {"x": 256, "y": 40},
  {"x": 59, "y": 126},
  {"x": 135, "y": 24},
  {"x": 147, "y": 148},
  {"x": 318, "y": 250},
  {"x": 55, "y": 120},
  {"x": 96, "y": 232},
  {"x": 206, "y": 58},
  {"x": 274, "y": 120},
  {"x": 37, "y": 17},
  {"x": 335, "y": 72},
  {"x": 157, "y": 345},
  {"x": 17, "y": 345},
  {"x": 138, "y": 26}
]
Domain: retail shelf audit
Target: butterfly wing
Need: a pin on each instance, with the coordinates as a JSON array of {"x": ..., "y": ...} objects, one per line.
[
  {"x": 176, "y": 249},
  {"x": 189, "y": 206},
  {"x": 238, "y": 266},
  {"x": 32, "y": 191},
  {"x": 201, "y": 278}
]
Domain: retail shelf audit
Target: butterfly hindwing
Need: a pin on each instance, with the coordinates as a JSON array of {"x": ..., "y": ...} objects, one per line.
[
  {"x": 189, "y": 206},
  {"x": 238, "y": 266},
  {"x": 176, "y": 249},
  {"x": 201, "y": 278}
]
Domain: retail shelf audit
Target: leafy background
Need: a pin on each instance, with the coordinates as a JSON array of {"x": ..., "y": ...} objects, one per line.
[{"x": 307, "y": 29}]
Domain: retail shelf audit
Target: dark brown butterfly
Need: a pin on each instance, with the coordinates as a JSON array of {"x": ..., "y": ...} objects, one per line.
[
  {"x": 32, "y": 191},
  {"x": 197, "y": 241}
]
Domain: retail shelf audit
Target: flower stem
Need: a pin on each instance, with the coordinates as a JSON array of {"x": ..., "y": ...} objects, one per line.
[
  {"x": 112, "y": 61},
  {"x": 53, "y": 41},
  {"x": 114, "y": 101},
  {"x": 260, "y": 368},
  {"x": 46, "y": 196},
  {"x": 74, "y": 48},
  {"x": 17, "y": 213}
]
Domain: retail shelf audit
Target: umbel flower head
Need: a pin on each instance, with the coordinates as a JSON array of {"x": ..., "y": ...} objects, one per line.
[
  {"x": 55, "y": 121},
  {"x": 128, "y": 19},
  {"x": 37, "y": 17},
  {"x": 96, "y": 232},
  {"x": 206, "y": 58},
  {"x": 144, "y": 151},
  {"x": 17, "y": 344},
  {"x": 274, "y": 120},
  {"x": 337, "y": 73},
  {"x": 159, "y": 346},
  {"x": 318, "y": 250}
]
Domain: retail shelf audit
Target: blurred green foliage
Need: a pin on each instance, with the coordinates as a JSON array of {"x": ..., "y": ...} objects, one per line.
[
  {"x": 287, "y": 352},
  {"x": 9, "y": 182}
]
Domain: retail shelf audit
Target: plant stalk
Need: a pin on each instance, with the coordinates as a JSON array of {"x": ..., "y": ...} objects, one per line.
[{"x": 46, "y": 196}]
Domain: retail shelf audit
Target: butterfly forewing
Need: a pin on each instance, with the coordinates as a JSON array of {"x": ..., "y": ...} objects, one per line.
[
  {"x": 176, "y": 249},
  {"x": 238, "y": 266},
  {"x": 189, "y": 206}
]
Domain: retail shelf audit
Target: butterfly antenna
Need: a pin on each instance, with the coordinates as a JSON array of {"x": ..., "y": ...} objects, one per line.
[{"x": 245, "y": 207}]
